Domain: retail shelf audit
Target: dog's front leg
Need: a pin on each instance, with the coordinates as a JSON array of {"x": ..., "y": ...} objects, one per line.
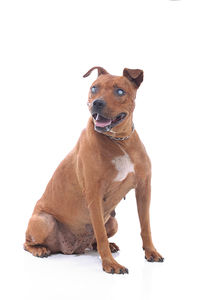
[
  {"x": 96, "y": 214},
  {"x": 143, "y": 197}
]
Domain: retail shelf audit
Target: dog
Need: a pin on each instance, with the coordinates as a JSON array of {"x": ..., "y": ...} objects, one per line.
[{"x": 77, "y": 209}]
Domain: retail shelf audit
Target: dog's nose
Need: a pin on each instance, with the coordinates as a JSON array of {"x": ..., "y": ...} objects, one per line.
[{"x": 99, "y": 104}]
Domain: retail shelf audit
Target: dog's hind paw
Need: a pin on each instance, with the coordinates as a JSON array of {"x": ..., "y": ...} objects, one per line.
[
  {"x": 38, "y": 251},
  {"x": 113, "y": 247}
]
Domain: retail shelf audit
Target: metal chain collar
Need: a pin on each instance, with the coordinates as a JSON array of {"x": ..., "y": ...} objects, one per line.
[{"x": 121, "y": 139}]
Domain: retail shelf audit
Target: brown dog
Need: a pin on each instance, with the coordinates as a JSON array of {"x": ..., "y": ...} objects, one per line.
[{"x": 76, "y": 210}]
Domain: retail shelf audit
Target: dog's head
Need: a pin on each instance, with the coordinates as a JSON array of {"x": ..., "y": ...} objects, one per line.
[{"x": 111, "y": 99}]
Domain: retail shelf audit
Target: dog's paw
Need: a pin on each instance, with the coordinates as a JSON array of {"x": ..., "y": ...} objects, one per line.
[
  {"x": 113, "y": 247},
  {"x": 38, "y": 251},
  {"x": 113, "y": 267},
  {"x": 151, "y": 255}
]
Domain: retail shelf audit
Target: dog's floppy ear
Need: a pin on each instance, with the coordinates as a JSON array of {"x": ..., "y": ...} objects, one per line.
[
  {"x": 101, "y": 71},
  {"x": 134, "y": 75}
]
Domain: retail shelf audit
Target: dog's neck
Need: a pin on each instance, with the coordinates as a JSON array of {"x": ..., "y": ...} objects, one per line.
[{"x": 121, "y": 138}]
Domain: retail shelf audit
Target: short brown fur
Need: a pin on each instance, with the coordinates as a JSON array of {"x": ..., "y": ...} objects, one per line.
[{"x": 76, "y": 210}]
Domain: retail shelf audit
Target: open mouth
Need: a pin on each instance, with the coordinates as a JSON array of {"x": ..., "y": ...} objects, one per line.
[{"x": 104, "y": 124}]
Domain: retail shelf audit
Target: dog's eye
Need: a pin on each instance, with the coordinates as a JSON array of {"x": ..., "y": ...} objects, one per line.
[
  {"x": 94, "y": 89},
  {"x": 120, "y": 92}
]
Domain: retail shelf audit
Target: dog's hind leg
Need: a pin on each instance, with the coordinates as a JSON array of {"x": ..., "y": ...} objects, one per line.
[
  {"x": 40, "y": 228},
  {"x": 111, "y": 228}
]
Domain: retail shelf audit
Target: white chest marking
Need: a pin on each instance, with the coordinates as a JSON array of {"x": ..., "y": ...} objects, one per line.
[{"x": 123, "y": 165}]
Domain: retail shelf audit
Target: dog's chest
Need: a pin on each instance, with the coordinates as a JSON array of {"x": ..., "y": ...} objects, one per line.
[
  {"x": 122, "y": 182},
  {"x": 123, "y": 166}
]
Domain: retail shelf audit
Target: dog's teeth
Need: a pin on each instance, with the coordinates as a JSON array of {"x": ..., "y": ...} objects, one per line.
[{"x": 97, "y": 117}]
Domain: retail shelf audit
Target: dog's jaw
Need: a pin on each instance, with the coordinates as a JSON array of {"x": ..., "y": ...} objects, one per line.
[{"x": 102, "y": 124}]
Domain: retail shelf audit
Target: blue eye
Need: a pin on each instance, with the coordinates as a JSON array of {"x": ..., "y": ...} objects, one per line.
[
  {"x": 120, "y": 92},
  {"x": 93, "y": 89}
]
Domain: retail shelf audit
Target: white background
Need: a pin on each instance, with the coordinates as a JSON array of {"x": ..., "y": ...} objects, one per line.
[{"x": 46, "y": 47}]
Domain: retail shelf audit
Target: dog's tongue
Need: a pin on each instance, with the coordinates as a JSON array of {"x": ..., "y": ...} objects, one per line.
[
  {"x": 101, "y": 121},
  {"x": 103, "y": 124}
]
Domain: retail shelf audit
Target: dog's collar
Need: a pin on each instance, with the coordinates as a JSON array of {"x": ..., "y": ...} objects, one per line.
[{"x": 121, "y": 139}]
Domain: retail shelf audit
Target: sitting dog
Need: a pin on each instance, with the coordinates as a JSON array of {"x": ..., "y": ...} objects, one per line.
[{"x": 77, "y": 209}]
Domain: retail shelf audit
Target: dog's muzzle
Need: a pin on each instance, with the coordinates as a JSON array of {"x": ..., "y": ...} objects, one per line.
[{"x": 102, "y": 123}]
